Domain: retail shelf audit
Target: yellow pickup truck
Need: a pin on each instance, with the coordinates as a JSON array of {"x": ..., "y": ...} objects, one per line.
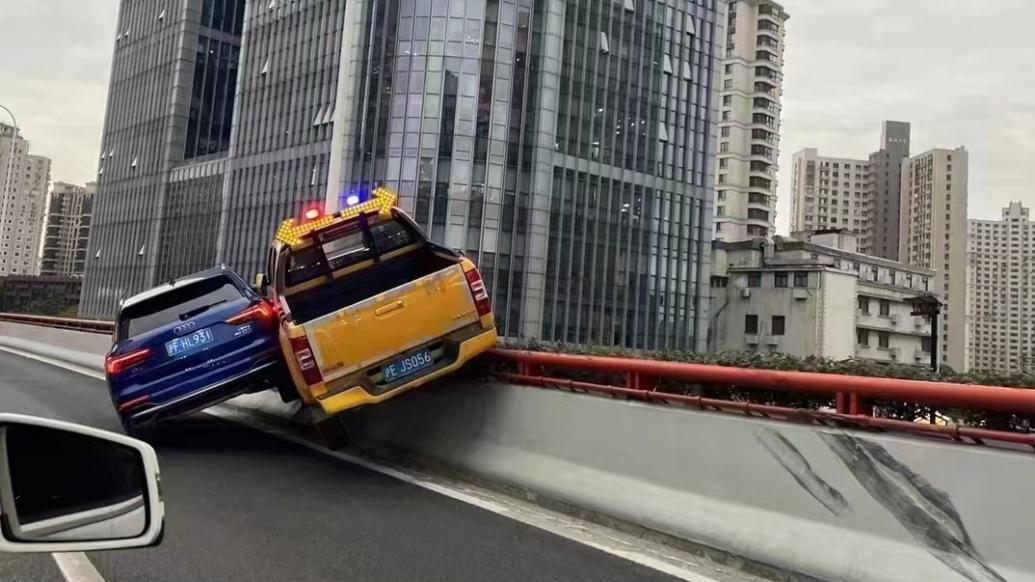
[{"x": 370, "y": 307}]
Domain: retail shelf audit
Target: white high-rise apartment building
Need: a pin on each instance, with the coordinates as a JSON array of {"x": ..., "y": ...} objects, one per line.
[
  {"x": 933, "y": 234},
  {"x": 24, "y": 180},
  {"x": 749, "y": 128},
  {"x": 67, "y": 232},
  {"x": 831, "y": 193},
  {"x": 1001, "y": 292}
]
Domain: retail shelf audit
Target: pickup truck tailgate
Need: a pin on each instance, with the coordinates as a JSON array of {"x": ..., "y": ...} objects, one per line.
[{"x": 368, "y": 332}]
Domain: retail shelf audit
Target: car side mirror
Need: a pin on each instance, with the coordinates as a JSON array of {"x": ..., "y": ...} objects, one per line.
[
  {"x": 262, "y": 283},
  {"x": 65, "y": 487}
]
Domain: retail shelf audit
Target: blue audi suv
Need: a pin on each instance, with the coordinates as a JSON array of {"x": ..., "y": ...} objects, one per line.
[{"x": 188, "y": 344}]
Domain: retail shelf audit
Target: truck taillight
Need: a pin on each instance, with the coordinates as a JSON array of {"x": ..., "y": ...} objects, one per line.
[
  {"x": 481, "y": 296},
  {"x": 118, "y": 364},
  {"x": 306, "y": 360},
  {"x": 261, "y": 311}
]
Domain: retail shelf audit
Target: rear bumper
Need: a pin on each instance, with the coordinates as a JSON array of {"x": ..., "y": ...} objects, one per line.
[
  {"x": 221, "y": 391},
  {"x": 357, "y": 396}
]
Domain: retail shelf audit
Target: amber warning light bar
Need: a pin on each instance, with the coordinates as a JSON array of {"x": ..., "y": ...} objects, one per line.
[{"x": 292, "y": 231}]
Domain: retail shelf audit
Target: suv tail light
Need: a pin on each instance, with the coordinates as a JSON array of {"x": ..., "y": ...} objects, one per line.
[
  {"x": 306, "y": 360},
  {"x": 262, "y": 311},
  {"x": 481, "y": 296},
  {"x": 118, "y": 364}
]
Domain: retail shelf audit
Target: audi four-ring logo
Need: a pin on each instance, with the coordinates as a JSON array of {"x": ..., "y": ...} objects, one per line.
[{"x": 182, "y": 329}]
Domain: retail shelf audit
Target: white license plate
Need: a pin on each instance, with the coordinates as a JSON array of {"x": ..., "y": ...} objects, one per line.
[{"x": 408, "y": 365}]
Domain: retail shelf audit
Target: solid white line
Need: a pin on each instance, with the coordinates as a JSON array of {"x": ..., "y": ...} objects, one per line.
[
  {"x": 54, "y": 362},
  {"x": 76, "y": 567},
  {"x": 556, "y": 523},
  {"x": 598, "y": 537}
]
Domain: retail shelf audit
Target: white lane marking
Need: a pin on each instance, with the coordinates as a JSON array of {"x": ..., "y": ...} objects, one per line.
[
  {"x": 600, "y": 538},
  {"x": 54, "y": 362},
  {"x": 76, "y": 567},
  {"x": 567, "y": 527}
]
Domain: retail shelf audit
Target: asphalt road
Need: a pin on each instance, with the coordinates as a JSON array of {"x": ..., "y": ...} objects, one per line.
[{"x": 243, "y": 505}]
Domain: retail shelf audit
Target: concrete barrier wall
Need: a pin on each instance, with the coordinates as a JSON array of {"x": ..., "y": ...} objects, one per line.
[
  {"x": 829, "y": 503},
  {"x": 834, "y": 504}
]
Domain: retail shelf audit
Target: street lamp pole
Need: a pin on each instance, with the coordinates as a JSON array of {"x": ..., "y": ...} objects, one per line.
[{"x": 928, "y": 305}]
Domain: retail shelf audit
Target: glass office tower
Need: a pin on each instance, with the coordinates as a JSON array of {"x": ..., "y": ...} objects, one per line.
[{"x": 565, "y": 145}]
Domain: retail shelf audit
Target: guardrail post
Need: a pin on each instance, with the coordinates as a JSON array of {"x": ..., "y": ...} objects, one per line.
[
  {"x": 841, "y": 403},
  {"x": 638, "y": 381},
  {"x": 859, "y": 406},
  {"x": 529, "y": 369}
]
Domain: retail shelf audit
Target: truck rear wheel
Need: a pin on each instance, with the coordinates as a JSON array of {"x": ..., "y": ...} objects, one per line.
[
  {"x": 286, "y": 388},
  {"x": 334, "y": 431},
  {"x": 280, "y": 379}
]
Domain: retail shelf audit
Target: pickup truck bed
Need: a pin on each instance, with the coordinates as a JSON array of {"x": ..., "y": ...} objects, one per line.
[{"x": 352, "y": 289}]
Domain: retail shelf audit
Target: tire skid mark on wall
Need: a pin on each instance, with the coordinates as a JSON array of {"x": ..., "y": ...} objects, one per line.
[
  {"x": 926, "y": 512},
  {"x": 791, "y": 459}
]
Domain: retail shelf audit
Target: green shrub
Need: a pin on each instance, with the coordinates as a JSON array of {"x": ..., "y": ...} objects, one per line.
[{"x": 855, "y": 367}]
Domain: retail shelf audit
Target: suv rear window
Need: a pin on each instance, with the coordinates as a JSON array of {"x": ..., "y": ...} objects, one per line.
[
  {"x": 390, "y": 235},
  {"x": 177, "y": 304},
  {"x": 344, "y": 247}
]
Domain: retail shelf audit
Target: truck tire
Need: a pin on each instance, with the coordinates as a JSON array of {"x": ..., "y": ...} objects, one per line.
[
  {"x": 334, "y": 432},
  {"x": 281, "y": 380},
  {"x": 287, "y": 390}
]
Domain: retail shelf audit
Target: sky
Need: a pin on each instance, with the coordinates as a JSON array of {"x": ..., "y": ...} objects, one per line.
[
  {"x": 55, "y": 62},
  {"x": 959, "y": 70}
]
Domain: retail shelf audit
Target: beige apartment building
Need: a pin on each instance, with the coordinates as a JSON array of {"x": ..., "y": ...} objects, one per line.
[
  {"x": 1001, "y": 292},
  {"x": 749, "y": 126},
  {"x": 831, "y": 193},
  {"x": 815, "y": 294},
  {"x": 933, "y": 235},
  {"x": 67, "y": 231},
  {"x": 24, "y": 180},
  {"x": 861, "y": 196}
]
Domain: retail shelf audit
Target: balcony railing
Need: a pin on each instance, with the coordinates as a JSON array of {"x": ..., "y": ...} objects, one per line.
[
  {"x": 764, "y": 120},
  {"x": 763, "y": 135},
  {"x": 766, "y": 42},
  {"x": 767, "y": 88},
  {"x": 767, "y": 73}
]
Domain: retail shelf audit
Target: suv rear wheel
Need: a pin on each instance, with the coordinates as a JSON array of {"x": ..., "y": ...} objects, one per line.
[{"x": 149, "y": 432}]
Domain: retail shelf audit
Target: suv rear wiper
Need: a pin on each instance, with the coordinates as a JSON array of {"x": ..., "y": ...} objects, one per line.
[{"x": 189, "y": 314}]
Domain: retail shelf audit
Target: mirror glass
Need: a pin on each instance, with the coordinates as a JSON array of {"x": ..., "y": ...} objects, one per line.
[{"x": 66, "y": 486}]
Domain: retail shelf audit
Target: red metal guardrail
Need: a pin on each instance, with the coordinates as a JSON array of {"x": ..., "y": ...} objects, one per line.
[
  {"x": 90, "y": 325},
  {"x": 853, "y": 395}
]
